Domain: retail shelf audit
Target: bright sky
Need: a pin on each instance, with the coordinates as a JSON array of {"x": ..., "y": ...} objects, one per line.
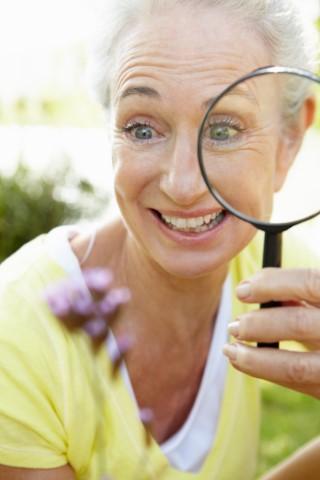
[
  {"x": 32, "y": 30},
  {"x": 43, "y": 24}
]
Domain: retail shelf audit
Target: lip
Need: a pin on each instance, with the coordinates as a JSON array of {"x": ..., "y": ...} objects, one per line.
[
  {"x": 193, "y": 214},
  {"x": 189, "y": 239}
]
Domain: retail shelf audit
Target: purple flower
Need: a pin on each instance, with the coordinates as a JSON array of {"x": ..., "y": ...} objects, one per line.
[
  {"x": 146, "y": 415},
  {"x": 70, "y": 301},
  {"x": 118, "y": 296},
  {"x": 113, "y": 299},
  {"x": 98, "y": 279},
  {"x": 96, "y": 327},
  {"x": 80, "y": 305},
  {"x": 124, "y": 344},
  {"x": 58, "y": 302}
]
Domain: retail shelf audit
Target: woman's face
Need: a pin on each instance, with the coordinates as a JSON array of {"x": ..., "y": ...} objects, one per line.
[{"x": 168, "y": 67}]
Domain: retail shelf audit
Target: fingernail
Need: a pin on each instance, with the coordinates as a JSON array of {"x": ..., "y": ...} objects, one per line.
[
  {"x": 243, "y": 290},
  {"x": 230, "y": 350},
  {"x": 234, "y": 329}
]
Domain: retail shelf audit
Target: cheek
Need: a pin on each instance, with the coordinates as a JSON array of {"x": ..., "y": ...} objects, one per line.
[
  {"x": 245, "y": 178},
  {"x": 134, "y": 171}
]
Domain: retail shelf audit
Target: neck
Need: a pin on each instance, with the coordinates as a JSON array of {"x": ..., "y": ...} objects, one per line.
[{"x": 185, "y": 307}]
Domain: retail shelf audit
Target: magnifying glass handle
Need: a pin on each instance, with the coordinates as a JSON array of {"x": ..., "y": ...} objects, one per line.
[
  {"x": 271, "y": 258},
  {"x": 275, "y": 344}
]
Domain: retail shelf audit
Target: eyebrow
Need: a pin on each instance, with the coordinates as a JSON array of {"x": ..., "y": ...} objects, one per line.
[
  {"x": 237, "y": 92},
  {"x": 141, "y": 91},
  {"x": 152, "y": 93}
]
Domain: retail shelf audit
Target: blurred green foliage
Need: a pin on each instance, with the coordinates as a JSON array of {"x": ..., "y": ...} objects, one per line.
[
  {"x": 289, "y": 419},
  {"x": 31, "y": 204}
]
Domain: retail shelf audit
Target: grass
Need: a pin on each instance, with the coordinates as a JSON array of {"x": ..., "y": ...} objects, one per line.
[{"x": 289, "y": 420}]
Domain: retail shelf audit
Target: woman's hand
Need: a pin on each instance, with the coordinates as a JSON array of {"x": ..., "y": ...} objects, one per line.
[{"x": 298, "y": 319}]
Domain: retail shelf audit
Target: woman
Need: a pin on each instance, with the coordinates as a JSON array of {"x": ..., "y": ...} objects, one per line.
[{"x": 179, "y": 254}]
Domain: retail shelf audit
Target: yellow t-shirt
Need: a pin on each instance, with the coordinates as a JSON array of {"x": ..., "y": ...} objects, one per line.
[{"x": 58, "y": 404}]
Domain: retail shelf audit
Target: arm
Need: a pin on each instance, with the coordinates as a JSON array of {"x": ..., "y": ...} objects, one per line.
[
  {"x": 61, "y": 473},
  {"x": 305, "y": 463}
]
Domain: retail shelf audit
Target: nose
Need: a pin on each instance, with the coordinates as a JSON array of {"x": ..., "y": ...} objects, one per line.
[{"x": 181, "y": 180}]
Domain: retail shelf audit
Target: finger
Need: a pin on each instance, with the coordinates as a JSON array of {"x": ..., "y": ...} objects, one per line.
[
  {"x": 312, "y": 390},
  {"x": 277, "y": 324},
  {"x": 294, "y": 369},
  {"x": 275, "y": 284}
]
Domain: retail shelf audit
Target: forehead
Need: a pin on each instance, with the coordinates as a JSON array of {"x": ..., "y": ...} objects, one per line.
[{"x": 181, "y": 49}]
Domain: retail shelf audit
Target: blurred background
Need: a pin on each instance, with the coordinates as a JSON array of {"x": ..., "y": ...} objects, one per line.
[
  {"x": 55, "y": 165},
  {"x": 50, "y": 127}
]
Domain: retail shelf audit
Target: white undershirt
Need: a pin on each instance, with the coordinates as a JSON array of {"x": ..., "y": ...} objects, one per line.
[{"x": 187, "y": 449}]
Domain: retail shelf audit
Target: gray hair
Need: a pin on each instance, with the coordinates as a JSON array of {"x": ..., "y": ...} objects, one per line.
[{"x": 279, "y": 22}]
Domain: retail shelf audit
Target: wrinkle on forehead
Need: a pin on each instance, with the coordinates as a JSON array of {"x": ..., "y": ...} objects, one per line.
[{"x": 160, "y": 51}]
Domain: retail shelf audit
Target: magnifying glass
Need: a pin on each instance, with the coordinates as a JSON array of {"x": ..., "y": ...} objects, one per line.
[{"x": 258, "y": 151}]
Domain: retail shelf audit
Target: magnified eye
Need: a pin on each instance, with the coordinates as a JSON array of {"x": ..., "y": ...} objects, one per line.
[{"x": 221, "y": 132}]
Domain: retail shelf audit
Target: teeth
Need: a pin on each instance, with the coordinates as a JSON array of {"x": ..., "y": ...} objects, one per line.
[
  {"x": 180, "y": 223},
  {"x": 192, "y": 222},
  {"x": 196, "y": 223},
  {"x": 199, "y": 221}
]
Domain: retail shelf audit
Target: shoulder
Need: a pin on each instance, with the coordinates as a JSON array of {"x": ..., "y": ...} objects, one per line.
[
  {"x": 23, "y": 311},
  {"x": 44, "y": 371},
  {"x": 29, "y": 333},
  {"x": 25, "y": 318},
  {"x": 29, "y": 268},
  {"x": 23, "y": 279}
]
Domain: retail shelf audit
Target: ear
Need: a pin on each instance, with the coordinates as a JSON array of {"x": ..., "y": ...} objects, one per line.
[{"x": 291, "y": 142}]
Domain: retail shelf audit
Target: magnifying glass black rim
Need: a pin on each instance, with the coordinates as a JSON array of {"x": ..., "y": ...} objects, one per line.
[{"x": 268, "y": 70}]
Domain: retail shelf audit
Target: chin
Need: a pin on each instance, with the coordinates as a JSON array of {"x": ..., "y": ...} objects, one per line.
[
  {"x": 192, "y": 271},
  {"x": 188, "y": 265}
]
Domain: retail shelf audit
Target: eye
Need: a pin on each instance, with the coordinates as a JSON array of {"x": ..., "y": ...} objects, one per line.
[
  {"x": 141, "y": 132},
  {"x": 221, "y": 132}
]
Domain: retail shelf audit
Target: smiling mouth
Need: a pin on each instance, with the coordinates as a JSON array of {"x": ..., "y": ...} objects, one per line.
[{"x": 194, "y": 224}]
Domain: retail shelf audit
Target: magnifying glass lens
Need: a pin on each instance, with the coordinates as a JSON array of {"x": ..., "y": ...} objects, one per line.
[{"x": 260, "y": 144}]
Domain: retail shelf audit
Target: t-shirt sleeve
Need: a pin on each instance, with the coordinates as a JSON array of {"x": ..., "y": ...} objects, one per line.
[{"x": 32, "y": 433}]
